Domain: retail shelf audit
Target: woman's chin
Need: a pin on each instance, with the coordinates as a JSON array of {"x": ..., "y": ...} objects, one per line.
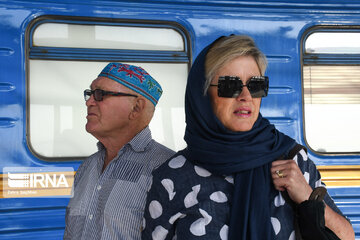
[{"x": 243, "y": 127}]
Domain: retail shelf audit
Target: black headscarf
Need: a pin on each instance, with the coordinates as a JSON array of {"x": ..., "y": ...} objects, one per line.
[{"x": 246, "y": 155}]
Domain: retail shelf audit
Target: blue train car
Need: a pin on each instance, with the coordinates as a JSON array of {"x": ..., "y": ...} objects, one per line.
[{"x": 51, "y": 50}]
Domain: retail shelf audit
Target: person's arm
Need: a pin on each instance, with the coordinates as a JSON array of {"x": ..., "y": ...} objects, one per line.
[
  {"x": 293, "y": 181},
  {"x": 338, "y": 224}
]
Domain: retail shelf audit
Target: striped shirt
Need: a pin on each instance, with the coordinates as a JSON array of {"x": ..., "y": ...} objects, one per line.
[{"x": 110, "y": 204}]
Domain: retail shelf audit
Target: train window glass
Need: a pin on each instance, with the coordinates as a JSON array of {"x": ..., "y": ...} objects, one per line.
[
  {"x": 64, "y": 58},
  {"x": 107, "y": 37},
  {"x": 332, "y": 96},
  {"x": 332, "y": 107},
  {"x": 333, "y": 42},
  {"x": 58, "y": 111}
]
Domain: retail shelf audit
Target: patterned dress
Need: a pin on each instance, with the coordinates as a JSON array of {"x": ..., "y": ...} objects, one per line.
[{"x": 188, "y": 202}]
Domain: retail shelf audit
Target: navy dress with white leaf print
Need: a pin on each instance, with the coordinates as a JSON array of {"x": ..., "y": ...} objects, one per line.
[{"x": 188, "y": 202}]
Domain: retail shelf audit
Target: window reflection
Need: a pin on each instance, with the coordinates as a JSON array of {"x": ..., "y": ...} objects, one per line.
[
  {"x": 333, "y": 42},
  {"x": 332, "y": 107}
]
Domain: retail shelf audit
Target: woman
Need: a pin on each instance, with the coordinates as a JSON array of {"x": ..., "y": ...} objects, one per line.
[{"x": 226, "y": 184}]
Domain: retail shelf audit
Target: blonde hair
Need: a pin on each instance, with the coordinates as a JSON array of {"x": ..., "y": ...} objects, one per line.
[{"x": 228, "y": 48}]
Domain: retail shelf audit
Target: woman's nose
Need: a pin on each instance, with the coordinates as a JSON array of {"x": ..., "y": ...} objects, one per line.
[{"x": 244, "y": 95}]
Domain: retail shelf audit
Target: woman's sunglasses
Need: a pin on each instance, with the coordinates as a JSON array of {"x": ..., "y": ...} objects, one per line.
[
  {"x": 231, "y": 87},
  {"x": 99, "y": 94}
]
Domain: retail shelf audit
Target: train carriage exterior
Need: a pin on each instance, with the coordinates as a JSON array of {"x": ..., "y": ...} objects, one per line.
[{"x": 51, "y": 50}]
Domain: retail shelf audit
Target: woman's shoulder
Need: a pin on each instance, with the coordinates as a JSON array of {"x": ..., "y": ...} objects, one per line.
[
  {"x": 175, "y": 168},
  {"x": 303, "y": 161},
  {"x": 183, "y": 172}
]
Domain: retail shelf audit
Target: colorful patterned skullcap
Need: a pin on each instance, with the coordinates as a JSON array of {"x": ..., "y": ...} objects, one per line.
[{"x": 135, "y": 78}]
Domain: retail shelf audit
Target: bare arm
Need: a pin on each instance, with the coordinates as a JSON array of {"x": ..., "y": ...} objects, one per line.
[{"x": 338, "y": 224}]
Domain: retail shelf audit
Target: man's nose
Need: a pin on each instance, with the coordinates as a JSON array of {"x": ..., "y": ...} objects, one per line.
[{"x": 90, "y": 101}]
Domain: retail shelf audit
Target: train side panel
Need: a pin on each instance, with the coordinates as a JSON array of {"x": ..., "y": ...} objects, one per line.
[{"x": 279, "y": 28}]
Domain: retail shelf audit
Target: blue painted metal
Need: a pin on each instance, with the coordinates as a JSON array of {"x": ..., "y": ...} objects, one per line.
[{"x": 277, "y": 26}]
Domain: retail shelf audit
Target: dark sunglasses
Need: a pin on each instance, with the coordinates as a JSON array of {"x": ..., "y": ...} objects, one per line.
[
  {"x": 99, "y": 94},
  {"x": 231, "y": 87}
]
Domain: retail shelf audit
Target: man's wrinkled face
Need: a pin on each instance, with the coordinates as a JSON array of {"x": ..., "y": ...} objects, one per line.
[{"x": 111, "y": 115}]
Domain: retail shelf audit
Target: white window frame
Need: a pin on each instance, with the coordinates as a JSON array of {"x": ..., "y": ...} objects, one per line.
[{"x": 327, "y": 133}]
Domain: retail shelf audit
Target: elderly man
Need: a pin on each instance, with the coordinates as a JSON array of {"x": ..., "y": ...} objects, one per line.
[{"x": 110, "y": 186}]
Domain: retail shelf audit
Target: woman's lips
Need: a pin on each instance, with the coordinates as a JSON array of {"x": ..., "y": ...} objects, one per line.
[{"x": 243, "y": 112}]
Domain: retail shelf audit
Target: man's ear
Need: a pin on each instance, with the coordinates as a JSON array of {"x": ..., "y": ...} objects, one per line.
[{"x": 138, "y": 108}]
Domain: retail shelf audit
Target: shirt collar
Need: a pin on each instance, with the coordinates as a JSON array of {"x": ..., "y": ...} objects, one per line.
[
  {"x": 141, "y": 140},
  {"x": 138, "y": 143}
]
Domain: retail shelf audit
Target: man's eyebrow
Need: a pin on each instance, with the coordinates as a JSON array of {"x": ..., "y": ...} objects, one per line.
[{"x": 92, "y": 85}]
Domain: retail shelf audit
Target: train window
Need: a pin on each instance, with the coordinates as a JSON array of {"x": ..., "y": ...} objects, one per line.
[
  {"x": 58, "y": 75},
  {"x": 107, "y": 37},
  {"x": 331, "y": 82},
  {"x": 333, "y": 42}
]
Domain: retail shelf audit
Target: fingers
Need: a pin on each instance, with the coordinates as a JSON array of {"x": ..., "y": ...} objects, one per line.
[
  {"x": 286, "y": 175},
  {"x": 281, "y": 162},
  {"x": 279, "y": 179},
  {"x": 285, "y": 170},
  {"x": 280, "y": 168},
  {"x": 280, "y": 173}
]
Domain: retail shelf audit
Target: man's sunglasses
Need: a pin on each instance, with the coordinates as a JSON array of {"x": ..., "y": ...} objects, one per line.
[
  {"x": 231, "y": 87},
  {"x": 99, "y": 94}
]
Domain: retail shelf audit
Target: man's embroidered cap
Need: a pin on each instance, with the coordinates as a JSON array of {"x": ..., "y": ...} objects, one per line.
[{"x": 135, "y": 78}]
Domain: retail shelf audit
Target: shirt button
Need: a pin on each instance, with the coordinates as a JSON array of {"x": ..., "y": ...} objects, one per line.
[
  {"x": 99, "y": 187},
  {"x": 90, "y": 216}
]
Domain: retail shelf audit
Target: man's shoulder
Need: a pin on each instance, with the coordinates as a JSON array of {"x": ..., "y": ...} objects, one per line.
[
  {"x": 162, "y": 148},
  {"x": 160, "y": 152}
]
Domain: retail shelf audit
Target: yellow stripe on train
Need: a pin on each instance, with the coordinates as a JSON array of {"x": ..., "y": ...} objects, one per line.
[
  {"x": 332, "y": 176},
  {"x": 340, "y": 175}
]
